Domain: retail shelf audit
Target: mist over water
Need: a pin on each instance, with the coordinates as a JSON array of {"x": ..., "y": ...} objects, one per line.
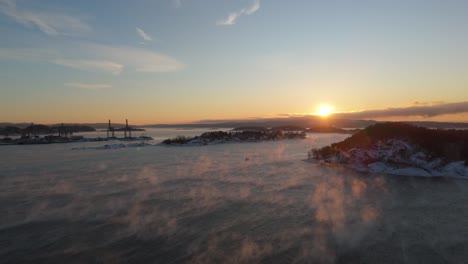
[{"x": 229, "y": 203}]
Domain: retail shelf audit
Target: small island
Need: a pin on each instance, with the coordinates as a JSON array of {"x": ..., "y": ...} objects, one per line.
[
  {"x": 401, "y": 149},
  {"x": 247, "y": 135},
  {"x": 314, "y": 129}
]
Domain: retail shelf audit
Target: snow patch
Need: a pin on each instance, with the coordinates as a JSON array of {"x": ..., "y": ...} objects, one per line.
[{"x": 398, "y": 157}]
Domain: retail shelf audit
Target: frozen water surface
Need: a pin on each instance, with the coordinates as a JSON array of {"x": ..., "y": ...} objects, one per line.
[{"x": 230, "y": 203}]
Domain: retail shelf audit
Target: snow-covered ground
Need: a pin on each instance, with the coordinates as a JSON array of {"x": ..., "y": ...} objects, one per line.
[{"x": 400, "y": 158}]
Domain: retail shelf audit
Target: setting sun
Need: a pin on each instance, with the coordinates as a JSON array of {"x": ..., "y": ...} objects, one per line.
[
  {"x": 324, "y": 110},
  {"x": 246, "y": 131}
]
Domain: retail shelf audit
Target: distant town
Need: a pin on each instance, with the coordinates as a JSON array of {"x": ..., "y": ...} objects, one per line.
[
  {"x": 30, "y": 133},
  {"x": 42, "y": 134}
]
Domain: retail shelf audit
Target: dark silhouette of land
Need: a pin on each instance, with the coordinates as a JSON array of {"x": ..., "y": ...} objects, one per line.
[
  {"x": 61, "y": 134},
  {"x": 39, "y": 129},
  {"x": 235, "y": 136},
  {"x": 316, "y": 129},
  {"x": 305, "y": 122}
]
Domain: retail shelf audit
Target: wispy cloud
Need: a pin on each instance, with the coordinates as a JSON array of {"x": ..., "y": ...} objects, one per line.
[
  {"x": 230, "y": 20},
  {"x": 98, "y": 58},
  {"x": 28, "y": 54},
  {"x": 418, "y": 110},
  {"x": 141, "y": 60},
  {"x": 177, "y": 3},
  {"x": 92, "y": 65},
  {"x": 423, "y": 103},
  {"x": 52, "y": 24},
  {"x": 232, "y": 17},
  {"x": 252, "y": 8},
  {"x": 88, "y": 86},
  {"x": 143, "y": 34}
]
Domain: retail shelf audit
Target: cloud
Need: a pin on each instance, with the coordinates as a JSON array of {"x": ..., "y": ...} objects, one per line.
[
  {"x": 141, "y": 60},
  {"x": 418, "y": 110},
  {"x": 252, "y": 9},
  {"x": 230, "y": 20},
  {"x": 98, "y": 58},
  {"x": 28, "y": 54},
  {"x": 421, "y": 103},
  {"x": 88, "y": 86},
  {"x": 143, "y": 34},
  {"x": 49, "y": 23},
  {"x": 92, "y": 65},
  {"x": 232, "y": 17},
  {"x": 294, "y": 115},
  {"x": 177, "y": 3}
]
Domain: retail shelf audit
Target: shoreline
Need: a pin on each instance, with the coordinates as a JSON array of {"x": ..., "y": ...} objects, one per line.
[
  {"x": 61, "y": 140},
  {"x": 370, "y": 171}
]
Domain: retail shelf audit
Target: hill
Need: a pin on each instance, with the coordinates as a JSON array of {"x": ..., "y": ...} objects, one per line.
[{"x": 400, "y": 148}]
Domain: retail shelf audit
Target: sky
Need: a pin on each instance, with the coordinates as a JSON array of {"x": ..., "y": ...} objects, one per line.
[{"x": 176, "y": 61}]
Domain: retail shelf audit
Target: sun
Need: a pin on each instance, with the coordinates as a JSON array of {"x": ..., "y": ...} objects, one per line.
[{"x": 324, "y": 110}]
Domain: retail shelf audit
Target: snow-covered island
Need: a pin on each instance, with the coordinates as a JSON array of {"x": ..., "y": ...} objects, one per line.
[
  {"x": 219, "y": 137},
  {"x": 401, "y": 149}
]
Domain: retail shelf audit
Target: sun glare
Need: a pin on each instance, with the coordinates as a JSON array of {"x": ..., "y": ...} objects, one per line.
[{"x": 324, "y": 110}]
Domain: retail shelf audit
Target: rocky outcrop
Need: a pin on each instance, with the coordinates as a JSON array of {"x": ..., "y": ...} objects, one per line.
[
  {"x": 402, "y": 149},
  {"x": 218, "y": 137}
]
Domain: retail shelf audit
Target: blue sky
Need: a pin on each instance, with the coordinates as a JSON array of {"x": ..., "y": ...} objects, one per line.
[{"x": 176, "y": 61}]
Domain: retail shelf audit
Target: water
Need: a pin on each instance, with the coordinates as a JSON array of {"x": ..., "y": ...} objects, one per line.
[
  {"x": 158, "y": 134},
  {"x": 231, "y": 203}
]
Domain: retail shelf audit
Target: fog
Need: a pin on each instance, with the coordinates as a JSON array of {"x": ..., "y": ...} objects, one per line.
[{"x": 228, "y": 203}]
